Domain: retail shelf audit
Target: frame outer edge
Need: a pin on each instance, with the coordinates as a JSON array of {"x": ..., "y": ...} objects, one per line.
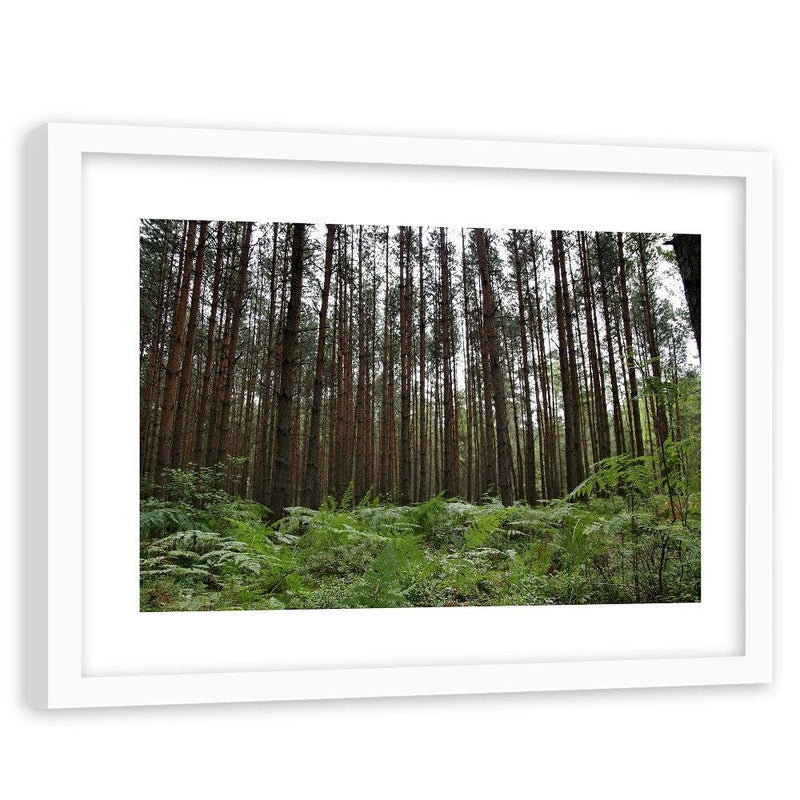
[
  {"x": 759, "y": 398},
  {"x": 36, "y": 488},
  {"x": 767, "y": 170}
]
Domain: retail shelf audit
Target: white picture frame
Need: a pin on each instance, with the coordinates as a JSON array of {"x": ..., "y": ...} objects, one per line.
[{"x": 62, "y": 599}]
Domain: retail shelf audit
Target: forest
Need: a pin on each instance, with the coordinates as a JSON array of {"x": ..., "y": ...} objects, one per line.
[{"x": 343, "y": 416}]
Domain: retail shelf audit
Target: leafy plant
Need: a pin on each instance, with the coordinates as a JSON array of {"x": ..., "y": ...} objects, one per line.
[{"x": 618, "y": 544}]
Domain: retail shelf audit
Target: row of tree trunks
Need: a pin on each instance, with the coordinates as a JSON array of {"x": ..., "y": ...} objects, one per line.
[{"x": 375, "y": 361}]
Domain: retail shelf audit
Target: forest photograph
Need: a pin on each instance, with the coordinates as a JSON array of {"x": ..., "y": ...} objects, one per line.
[{"x": 365, "y": 416}]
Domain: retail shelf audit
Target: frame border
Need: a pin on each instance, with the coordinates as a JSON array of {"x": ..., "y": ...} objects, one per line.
[{"x": 53, "y": 306}]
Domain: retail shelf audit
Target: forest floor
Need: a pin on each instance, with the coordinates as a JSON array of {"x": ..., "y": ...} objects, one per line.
[{"x": 221, "y": 553}]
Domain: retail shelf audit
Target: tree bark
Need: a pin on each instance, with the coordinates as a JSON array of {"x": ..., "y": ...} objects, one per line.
[
  {"x": 177, "y": 339},
  {"x": 687, "y": 254},
  {"x": 633, "y": 389},
  {"x": 619, "y": 438},
  {"x": 405, "y": 366},
  {"x": 178, "y": 440},
  {"x": 449, "y": 467},
  {"x": 566, "y": 354},
  {"x": 311, "y": 492},
  {"x": 280, "y": 495},
  {"x": 423, "y": 356},
  {"x": 498, "y": 390},
  {"x": 598, "y": 395},
  {"x": 530, "y": 456},
  {"x": 660, "y": 414},
  {"x": 232, "y": 342},
  {"x": 361, "y": 410}
]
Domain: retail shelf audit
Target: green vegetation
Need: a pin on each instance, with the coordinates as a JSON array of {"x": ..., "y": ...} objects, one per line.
[{"x": 618, "y": 538}]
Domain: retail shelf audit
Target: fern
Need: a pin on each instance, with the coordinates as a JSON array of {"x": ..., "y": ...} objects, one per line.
[
  {"x": 197, "y": 554},
  {"x": 617, "y": 545},
  {"x": 157, "y": 516},
  {"x": 369, "y": 500},
  {"x": 622, "y": 474},
  {"x": 347, "y": 498},
  {"x": 429, "y": 517},
  {"x": 483, "y": 526}
]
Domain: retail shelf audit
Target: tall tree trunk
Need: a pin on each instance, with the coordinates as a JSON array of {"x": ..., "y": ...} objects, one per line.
[
  {"x": 281, "y": 496},
  {"x": 232, "y": 342},
  {"x": 471, "y": 491},
  {"x": 216, "y": 423},
  {"x": 361, "y": 414},
  {"x": 311, "y": 492},
  {"x": 600, "y": 410},
  {"x": 178, "y": 439},
  {"x": 490, "y": 482},
  {"x": 387, "y": 389},
  {"x": 660, "y": 415},
  {"x": 205, "y": 390},
  {"x": 518, "y": 472},
  {"x": 146, "y": 421},
  {"x": 633, "y": 389},
  {"x": 587, "y": 419},
  {"x": 177, "y": 338},
  {"x": 277, "y": 355},
  {"x": 423, "y": 433},
  {"x": 373, "y": 349},
  {"x": 262, "y": 464},
  {"x": 530, "y": 456},
  {"x": 619, "y": 438},
  {"x": 687, "y": 254},
  {"x": 575, "y": 399},
  {"x": 448, "y": 463},
  {"x": 342, "y": 472},
  {"x": 405, "y": 366},
  {"x": 566, "y": 353},
  {"x": 498, "y": 393},
  {"x": 333, "y": 377},
  {"x": 552, "y": 483}
]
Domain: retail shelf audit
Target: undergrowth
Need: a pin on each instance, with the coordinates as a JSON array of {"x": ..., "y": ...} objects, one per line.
[{"x": 612, "y": 541}]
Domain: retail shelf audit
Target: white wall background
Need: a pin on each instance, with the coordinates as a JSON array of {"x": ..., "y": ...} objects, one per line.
[{"x": 682, "y": 73}]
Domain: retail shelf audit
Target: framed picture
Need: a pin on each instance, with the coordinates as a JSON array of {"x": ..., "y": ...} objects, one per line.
[{"x": 317, "y": 416}]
